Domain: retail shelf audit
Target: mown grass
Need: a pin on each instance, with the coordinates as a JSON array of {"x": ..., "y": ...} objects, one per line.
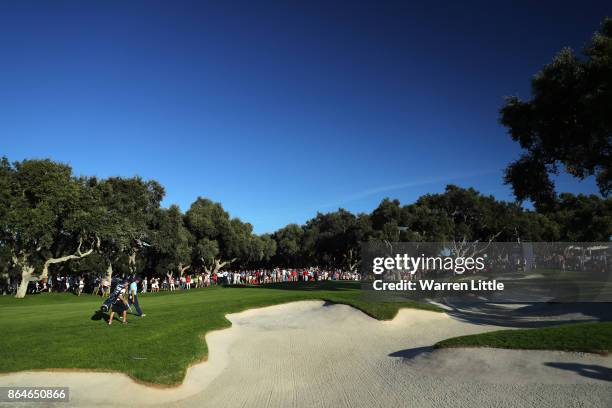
[
  {"x": 581, "y": 337},
  {"x": 62, "y": 331}
]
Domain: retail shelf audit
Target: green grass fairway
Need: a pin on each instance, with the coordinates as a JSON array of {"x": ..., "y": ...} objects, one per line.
[
  {"x": 585, "y": 337},
  {"x": 58, "y": 330}
]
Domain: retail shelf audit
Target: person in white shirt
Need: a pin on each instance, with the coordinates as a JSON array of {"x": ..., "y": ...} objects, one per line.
[{"x": 81, "y": 286}]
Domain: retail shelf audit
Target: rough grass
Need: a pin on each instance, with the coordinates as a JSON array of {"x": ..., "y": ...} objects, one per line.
[
  {"x": 581, "y": 337},
  {"x": 62, "y": 331}
]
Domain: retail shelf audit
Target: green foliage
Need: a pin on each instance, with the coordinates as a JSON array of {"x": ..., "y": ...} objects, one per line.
[
  {"x": 582, "y": 218},
  {"x": 170, "y": 240},
  {"x": 219, "y": 238},
  {"x": 332, "y": 239},
  {"x": 130, "y": 205},
  {"x": 289, "y": 246},
  {"x": 567, "y": 122},
  {"x": 46, "y": 212}
]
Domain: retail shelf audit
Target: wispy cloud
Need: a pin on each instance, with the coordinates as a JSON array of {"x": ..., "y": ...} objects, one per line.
[{"x": 413, "y": 183}]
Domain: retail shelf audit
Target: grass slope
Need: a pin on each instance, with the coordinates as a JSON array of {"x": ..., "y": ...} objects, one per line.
[
  {"x": 585, "y": 337},
  {"x": 61, "y": 331}
]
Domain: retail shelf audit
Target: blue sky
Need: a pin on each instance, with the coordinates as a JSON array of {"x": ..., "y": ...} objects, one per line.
[{"x": 278, "y": 109}]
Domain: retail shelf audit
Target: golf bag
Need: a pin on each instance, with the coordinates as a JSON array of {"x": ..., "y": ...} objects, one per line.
[{"x": 112, "y": 298}]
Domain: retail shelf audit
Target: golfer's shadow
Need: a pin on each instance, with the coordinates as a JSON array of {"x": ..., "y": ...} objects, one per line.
[{"x": 100, "y": 315}]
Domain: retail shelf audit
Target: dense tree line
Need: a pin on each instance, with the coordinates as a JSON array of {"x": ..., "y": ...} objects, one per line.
[{"x": 51, "y": 220}]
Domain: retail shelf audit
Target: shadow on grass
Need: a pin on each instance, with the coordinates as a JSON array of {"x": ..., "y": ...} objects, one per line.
[
  {"x": 529, "y": 316},
  {"x": 100, "y": 315},
  {"x": 586, "y": 370}
]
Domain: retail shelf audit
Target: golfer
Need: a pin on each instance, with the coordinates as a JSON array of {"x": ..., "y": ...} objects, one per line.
[
  {"x": 133, "y": 297},
  {"x": 120, "y": 306}
]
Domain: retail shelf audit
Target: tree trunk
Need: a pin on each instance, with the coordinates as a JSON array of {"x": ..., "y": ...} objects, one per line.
[
  {"x": 26, "y": 274},
  {"x": 352, "y": 260},
  {"x": 218, "y": 264},
  {"x": 109, "y": 272},
  {"x": 77, "y": 255},
  {"x": 182, "y": 268},
  {"x": 132, "y": 262},
  {"x": 51, "y": 261}
]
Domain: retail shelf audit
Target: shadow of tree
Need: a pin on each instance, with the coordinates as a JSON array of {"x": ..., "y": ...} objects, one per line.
[
  {"x": 411, "y": 352},
  {"x": 529, "y": 316},
  {"x": 586, "y": 370}
]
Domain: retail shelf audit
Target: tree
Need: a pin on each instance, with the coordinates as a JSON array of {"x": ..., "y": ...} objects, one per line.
[
  {"x": 45, "y": 218},
  {"x": 218, "y": 240},
  {"x": 426, "y": 223},
  {"x": 289, "y": 246},
  {"x": 582, "y": 218},
  {"x": 388, "y": 212},
  {"x": 268, "y": 249},
  {"x": 6, "y": 199},
  {"x": 567, "y": 122},
  {"x": 332, "y": 239},
  {"x": 130, "y": 205},
  {"x": 84, "y": 219},
  {"x": 465, "y": 214},
  {"x": 261, "y": 250},
  {"x": 171, "y": 242},
  {"x": 387, "y": 220}
]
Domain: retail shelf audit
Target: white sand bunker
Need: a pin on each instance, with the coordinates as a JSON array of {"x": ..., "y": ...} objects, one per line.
[{"x": 307, "y": 354}]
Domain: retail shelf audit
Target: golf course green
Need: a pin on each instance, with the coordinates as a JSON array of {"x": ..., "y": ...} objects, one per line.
[{"x": 63, "y": 331}]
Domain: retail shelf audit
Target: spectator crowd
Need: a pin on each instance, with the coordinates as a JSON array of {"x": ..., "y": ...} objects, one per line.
[{"x": 98, "y": 285}]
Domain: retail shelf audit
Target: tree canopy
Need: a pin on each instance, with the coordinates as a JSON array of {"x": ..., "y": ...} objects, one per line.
[{"x": 567, "y": 122}]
